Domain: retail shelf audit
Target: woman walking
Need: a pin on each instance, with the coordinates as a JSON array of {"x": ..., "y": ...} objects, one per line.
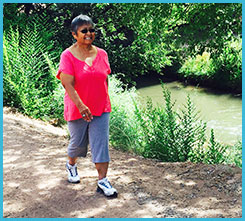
[{"x": 83, "y": 71}]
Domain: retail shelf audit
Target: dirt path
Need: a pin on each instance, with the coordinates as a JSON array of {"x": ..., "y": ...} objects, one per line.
[{"x": 35, "y": 185}]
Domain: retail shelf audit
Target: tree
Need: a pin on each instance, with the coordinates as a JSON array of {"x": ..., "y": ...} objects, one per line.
[{"x": 139, "y": 38}]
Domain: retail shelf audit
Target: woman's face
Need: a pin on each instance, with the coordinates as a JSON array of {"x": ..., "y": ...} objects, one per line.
[{"x": 85, "y": 34}]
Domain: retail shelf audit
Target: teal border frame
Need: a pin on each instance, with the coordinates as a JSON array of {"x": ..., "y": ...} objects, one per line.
[
  {"x": 1, "y": 106},
  {"x": 103, "y": 1}
]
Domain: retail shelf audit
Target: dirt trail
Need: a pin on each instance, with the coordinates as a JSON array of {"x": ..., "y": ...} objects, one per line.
[{"x": 35, "y": 185}]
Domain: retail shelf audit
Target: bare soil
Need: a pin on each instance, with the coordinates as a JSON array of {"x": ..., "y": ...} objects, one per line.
[{"x": 35, "y": 181}]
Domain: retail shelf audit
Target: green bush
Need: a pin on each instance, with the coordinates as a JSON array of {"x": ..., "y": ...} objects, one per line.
[
  {"x": 223, "y": 70},
  {"x": 167, "y": 135},
  {"x": 170, "y": 136},
  {"x": 29, "y": 81},
  {"x": 192, "y": 130},
  {"x": 123, "y": 125},
  {"x": 229, "y": 65},
  {"x": 215, "y": 151},
  {"x": 233, "y": 154},
  {"x": 200, "y": 67},
  {"x": 150, "y": 120}
]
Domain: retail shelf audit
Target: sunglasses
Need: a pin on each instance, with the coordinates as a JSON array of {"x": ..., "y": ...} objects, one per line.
[{"x": 85, "y": 31}]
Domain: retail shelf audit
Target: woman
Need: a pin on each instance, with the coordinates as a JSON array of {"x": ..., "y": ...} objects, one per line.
[{"x": 83, "y": 72}]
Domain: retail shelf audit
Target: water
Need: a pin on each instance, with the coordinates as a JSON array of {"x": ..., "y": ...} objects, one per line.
[{"x": 222, "y": 112}]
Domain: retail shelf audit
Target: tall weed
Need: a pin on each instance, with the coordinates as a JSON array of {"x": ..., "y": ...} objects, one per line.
[
  {"x": 192, "y": 131},
  {"x": 215, "y": 152},
  {"x": 123, "y": 125},
  {"x": 233, "y": 154},
  {"x": 28, "y": 74}
]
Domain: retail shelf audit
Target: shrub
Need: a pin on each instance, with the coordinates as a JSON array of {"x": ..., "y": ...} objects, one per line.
[
  {"x": 123, "y": 125},
  {"x": 170, "y": 136},
  {"x": 29, "y": 75},
  {"x": 233, "y": 154},
  {"x": 215, "y": 151},
  {"x": 223, "y": 70},
  {"x": 192, "y": 131},
  {"x": 151, "y": 121},
  {"x": 200, "y": 67},
  {"x": 229, "y": 65}
]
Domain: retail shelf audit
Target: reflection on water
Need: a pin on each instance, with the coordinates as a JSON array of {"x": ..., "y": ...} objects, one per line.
[{"x": 222, "y": 112}]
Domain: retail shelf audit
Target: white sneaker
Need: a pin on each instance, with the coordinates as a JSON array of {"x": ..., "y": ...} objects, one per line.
[
  {"x": 105, "y": 187},
  {"x": 73, "y": 176}
]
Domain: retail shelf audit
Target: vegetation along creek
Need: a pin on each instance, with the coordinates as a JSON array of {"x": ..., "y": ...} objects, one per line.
[{"x": 221, "y": 111}]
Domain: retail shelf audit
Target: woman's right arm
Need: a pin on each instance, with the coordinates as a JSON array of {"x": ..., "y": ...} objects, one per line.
[{"x": 68, "y": 83}]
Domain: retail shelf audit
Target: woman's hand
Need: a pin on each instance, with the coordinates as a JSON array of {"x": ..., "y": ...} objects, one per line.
[{"x": 85, "y": 112}]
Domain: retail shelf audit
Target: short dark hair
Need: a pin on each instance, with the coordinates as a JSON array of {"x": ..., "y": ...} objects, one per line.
[{"x": 79, "y": 21}]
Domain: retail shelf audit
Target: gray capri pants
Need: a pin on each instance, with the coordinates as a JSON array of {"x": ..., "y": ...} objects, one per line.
[{"x": 94, "y": 133}]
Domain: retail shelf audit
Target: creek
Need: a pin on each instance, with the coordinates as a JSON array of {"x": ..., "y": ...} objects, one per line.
[{"x": 222, "y": 112}]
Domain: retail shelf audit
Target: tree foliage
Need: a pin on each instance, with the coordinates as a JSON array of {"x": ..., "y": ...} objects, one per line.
[{"x": 139, "y": 38}]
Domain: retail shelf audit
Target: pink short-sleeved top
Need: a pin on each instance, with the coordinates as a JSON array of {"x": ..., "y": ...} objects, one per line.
[{"x": 90, "y": 83}]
